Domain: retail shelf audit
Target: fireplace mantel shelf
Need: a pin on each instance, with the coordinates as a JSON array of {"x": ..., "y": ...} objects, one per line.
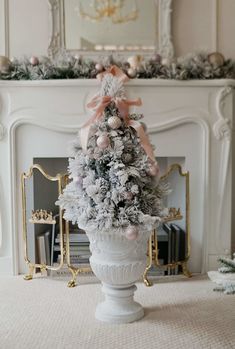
[
  {"x": 191, "y": 119},
  {"x": 133, "y": 82}
]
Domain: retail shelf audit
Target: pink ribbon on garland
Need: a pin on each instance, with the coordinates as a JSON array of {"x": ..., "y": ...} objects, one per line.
[{"x": 98, "y": 105}]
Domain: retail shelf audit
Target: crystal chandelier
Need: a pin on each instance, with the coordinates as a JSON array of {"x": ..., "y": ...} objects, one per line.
[{"x": 113, "y": 9}]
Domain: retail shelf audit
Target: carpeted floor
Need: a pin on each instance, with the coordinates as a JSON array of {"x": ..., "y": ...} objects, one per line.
[{"x": 180, "y": 313}]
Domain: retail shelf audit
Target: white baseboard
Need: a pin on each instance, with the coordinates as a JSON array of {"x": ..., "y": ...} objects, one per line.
[{"x": 6, "y": 266}]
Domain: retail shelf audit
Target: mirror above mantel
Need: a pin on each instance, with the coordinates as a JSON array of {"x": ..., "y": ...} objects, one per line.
[{"x": 94, "y": 27}]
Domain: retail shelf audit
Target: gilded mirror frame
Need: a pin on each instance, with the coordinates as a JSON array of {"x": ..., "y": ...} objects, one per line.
[{"x": 164, "y": 37}]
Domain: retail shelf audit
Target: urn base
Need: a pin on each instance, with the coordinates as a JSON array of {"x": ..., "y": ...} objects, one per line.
[{"x": 119, "y": 305}]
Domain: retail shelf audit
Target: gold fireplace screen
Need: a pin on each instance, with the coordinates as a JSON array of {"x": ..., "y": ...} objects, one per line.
[{"x": 33, "y": 219}]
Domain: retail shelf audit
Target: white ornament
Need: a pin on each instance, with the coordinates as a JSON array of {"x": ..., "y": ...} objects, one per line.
[
  {"x": 131, "y": 72},
  {"x": 135, "y": 61},
  {"x": 4, "y": 64},
  {"x": 131, "y": 232},
  {"x": 103, "y": 141},
  {"x": 166, "y": 61},
  {"x": 114, "y": 122}
]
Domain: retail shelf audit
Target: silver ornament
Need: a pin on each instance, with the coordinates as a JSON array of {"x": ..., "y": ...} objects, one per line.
[
  {"x": 131, "y": 232},
  {"x": 5, "y": 64},
  {"x": 103, "y": 141},
  {"x": 114, "y": 122}
]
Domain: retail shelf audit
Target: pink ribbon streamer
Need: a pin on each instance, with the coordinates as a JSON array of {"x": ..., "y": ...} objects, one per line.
[{"x": 98, "y": 105}]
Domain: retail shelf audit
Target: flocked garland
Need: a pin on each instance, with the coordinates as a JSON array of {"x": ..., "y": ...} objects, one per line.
[{"x": 65, "y": 66}]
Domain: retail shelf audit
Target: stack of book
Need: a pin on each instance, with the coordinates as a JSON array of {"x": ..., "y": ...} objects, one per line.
[
  {"x": 79, "y": 247},
  {"x": 175, "y": 250}
]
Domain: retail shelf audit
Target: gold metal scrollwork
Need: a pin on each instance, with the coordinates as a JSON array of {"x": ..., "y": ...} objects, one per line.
[{"x": 174, "y": 214}]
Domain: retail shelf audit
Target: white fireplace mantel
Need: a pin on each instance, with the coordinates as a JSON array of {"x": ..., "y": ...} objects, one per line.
[{"x": 193, "y": 119}]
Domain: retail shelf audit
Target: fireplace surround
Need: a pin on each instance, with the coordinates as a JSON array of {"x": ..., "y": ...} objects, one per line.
[{"x": 192, "y": 119}]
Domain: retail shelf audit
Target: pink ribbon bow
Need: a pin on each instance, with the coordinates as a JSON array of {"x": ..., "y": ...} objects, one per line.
[{"x": 98, "y": 105}]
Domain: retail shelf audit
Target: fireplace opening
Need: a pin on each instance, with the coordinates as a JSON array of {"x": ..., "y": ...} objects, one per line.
[{"x": 41, "y": 195}]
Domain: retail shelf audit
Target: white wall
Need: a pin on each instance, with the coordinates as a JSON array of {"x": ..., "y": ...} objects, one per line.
[{"x": 197, "y": 24}]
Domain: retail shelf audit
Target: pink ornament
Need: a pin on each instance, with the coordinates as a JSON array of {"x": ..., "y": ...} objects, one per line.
[
  {"x": 153, "y": 170},
  {"x": 77, "y": 180},
  {"x": 158, "y": 58},
  {"x": 103, "y": 141},
  {"x": 128, "y": 195},
  {"x": 114, "y": 122},
  {"x": 99, "y": 67},
  {"x": 34, "y": 60},
  {"x": 131, "y": 72},
  {"x": 131, "y": 232}
]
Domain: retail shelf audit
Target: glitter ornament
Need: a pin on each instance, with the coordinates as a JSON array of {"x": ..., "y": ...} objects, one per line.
[
  {"x": 103, "y": 141},
  {"x": 131, "y": 72},
  {"x": 34, "y": 60},
  {"x": 114, "y": 122},
  {"x": 99, "y": 67},
  {"x": 5, "y": 64},
  {"x": 131, "y": 232},
  {"x": 126, "y": 158},
  {"x": 216, "y": 59}
]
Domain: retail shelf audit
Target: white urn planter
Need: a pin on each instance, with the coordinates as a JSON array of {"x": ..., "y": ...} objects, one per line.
[{"x": 118, "y": 263}]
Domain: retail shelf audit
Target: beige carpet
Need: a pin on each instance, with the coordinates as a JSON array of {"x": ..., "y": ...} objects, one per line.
[{"x": 180, "y": 313}]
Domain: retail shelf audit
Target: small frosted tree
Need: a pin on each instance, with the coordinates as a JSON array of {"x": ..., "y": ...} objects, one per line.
[{"x": 114, "y": 175}]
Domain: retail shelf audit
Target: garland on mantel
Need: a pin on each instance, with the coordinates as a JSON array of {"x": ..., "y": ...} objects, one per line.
[{"x": 193, "y": 66}]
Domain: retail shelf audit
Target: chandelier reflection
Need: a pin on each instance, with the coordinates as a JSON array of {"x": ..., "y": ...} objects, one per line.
[{"x": 119, "y": 11}]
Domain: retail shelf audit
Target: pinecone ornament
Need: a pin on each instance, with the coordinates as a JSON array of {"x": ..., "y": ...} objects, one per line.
[{"x": 127, "y": 158}]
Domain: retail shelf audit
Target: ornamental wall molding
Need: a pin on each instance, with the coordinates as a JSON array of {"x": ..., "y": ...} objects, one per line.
[
  {"x": 56, "y": 42},
  {"x": 165, "y": 38},
  {"x": 222, "y": 127},
  {"x": 223, "y": 132}
]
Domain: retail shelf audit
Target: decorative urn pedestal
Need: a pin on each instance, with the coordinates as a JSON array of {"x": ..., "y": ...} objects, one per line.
[{"x": 118, "y": 263}]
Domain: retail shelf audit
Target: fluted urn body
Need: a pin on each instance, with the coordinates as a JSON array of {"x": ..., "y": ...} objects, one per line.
[{"x": 118, "y": 263}]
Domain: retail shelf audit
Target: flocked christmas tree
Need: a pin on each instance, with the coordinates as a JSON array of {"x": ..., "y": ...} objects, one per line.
[{"x": 114, "y": 175}]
